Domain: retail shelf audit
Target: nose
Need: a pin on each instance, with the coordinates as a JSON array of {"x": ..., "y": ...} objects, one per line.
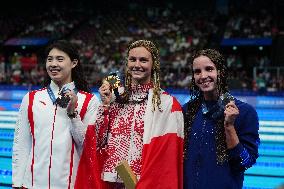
[
  {"x": 203, "y": 74},
  {"x": 52, "y": 63},
  {"x": 137, "y": 63}
]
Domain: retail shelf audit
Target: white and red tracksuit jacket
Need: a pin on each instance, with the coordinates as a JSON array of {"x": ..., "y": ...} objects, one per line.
[{"x": 47, "y": 143}]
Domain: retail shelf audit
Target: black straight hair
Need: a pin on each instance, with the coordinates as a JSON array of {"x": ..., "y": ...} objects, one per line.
[{"x": 77, "y": 72}]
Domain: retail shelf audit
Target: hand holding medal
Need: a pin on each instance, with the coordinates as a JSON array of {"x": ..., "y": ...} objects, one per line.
[
  {"x": 114, "y": 81},
  {"x": 63, "y": 99},
  {"x": 110, "y": 84},
  {"x": 68, "y": 99},
  {"x": 71, "y": 107}
]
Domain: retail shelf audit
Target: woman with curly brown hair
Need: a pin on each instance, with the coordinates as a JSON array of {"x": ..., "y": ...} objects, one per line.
[{"x": 221, "y": 138}]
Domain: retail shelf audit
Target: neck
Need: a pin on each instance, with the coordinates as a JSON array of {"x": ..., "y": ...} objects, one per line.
[
  {"x": 138, "y": 82},
  {"x": 210, "y": 95},
  {"x": 61, "y": 84}
]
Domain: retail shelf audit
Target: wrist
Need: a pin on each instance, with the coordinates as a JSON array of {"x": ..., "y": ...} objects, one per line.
[
  {"x": 229, "y": 125},
  {"x": 72, "y": 115}
]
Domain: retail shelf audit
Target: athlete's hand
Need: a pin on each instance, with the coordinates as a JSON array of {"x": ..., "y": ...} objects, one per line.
[
  {"x": 230, "y": 113},
  {"x": 72, "y": 102},
  {"x": 105, "y": 93}
]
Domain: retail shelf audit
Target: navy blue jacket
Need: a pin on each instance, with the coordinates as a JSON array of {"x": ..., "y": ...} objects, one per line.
[{"x": 201, "y": 170}]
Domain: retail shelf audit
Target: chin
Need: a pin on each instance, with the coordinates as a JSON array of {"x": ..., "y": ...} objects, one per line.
[
  {"x": 56, "y": 79},
  {"x": 207, "y": 90},
  {"x": 137, "y": 78}
]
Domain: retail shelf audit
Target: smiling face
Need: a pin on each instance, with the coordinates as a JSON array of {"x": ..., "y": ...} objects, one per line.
[
  {"x": 205, "y": 76},
  {"x": 139, "y": 63},
  {"x": 59, "y": 67}
]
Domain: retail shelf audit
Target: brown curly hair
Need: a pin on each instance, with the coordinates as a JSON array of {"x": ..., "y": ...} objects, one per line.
[{"x": 197, "y": 98}]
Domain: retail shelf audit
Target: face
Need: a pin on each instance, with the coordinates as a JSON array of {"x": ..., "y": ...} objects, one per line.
[
  {"x": 59, "y": 67},
  {"x": 140, "y": 64},
  {"x": 205, "y": 75}
]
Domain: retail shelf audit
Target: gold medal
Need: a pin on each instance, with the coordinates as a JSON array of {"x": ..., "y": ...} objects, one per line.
[{"x": 113, "y": 80}]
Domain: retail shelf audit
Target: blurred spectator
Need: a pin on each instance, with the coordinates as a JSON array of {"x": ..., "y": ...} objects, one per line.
[{"x": 104, "y": 36}]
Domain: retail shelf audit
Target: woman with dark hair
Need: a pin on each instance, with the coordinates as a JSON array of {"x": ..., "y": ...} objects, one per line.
[
  {"x": 221, "y": 132},
  {"x": 142, "y": 126},
  {"x": 50, "y": 129},
  {"x": 76, "y": 72}
]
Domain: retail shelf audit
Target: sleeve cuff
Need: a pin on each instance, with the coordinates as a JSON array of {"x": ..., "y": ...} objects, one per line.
[
  {"x": 76, "y": 119},
  {"x": 236, "y": 151}
]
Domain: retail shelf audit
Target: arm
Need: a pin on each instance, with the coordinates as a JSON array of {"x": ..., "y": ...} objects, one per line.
[
  {"x": 243, "y": 139},
  {"x": 93, "y": 113},
  {"x": 22, "y": 145},
  {"x": 231, "y": 112},
  {"x": 102, "y": 122},
  {"x": 79, "y": 127}
]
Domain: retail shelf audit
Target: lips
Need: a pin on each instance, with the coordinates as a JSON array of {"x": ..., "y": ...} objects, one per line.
[
  {"x": 54, "y": 71},
  {"x": 137, "y": 71},
  {"x": 205, "y": 83},
  {"x": 133, "y": 69}
]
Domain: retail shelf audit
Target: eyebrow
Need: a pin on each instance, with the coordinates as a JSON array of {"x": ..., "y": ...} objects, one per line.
[
  {"x": 59, "y": 56},
  {"x": 209, "y": 67},
  {"x": 138, "y": 57},
  {"x": 141, "y": 58},
  {"x": 205, "y": 67}
]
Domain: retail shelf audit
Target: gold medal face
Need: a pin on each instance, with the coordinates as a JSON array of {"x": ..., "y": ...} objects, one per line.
[{"x": 114, "y": 81}]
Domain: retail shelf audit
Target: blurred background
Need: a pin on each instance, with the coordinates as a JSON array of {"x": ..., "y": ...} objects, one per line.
[{"x": 250, "y": 34}]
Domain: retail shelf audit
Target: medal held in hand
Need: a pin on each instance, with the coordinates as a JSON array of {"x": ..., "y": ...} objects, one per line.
[
  {"x": 114, "y": 80},
  {"x": 222, "y": 102},
  {"x": 62, "y": 99},
  {"x": 116, "y": 85}
]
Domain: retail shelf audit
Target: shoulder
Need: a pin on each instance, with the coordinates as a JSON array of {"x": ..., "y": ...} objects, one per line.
[
  {"x": 37, "y": 90},
  {"x": 168, "y": 96},
  {"x": 245, "y": 108},
  {"x": 188, "y": 104},
  {"x": 90, "y": 96},
  {"x": 33, "y": 92},
  {"x": 168, "y": 99},
  {"x": 86, "y": 93},
  {"x": 30, "y": 95}
]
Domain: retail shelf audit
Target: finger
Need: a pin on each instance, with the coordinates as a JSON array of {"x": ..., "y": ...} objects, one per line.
[
  {"x": 230, "y": 113},
  {"x": 104, "y": 88},
  {"x": 105, "y": 81},
  {"x": 231, "y": 103},
  {"x": 105, "y": 85},
  {"x": 104, "y": 93},
  {"x": 231, "y": 106}
]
